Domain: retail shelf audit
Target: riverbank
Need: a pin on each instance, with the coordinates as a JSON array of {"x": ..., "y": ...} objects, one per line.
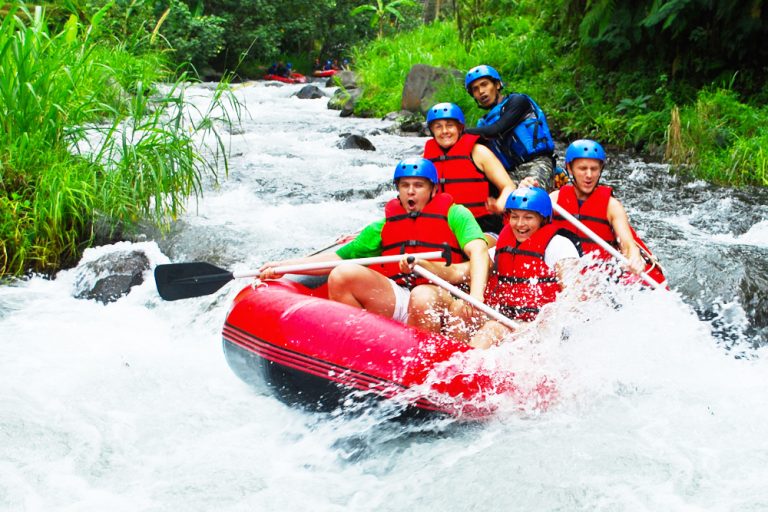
[
  {"x": 711, "y": 133},
  {"x": 91, "y": 144}
]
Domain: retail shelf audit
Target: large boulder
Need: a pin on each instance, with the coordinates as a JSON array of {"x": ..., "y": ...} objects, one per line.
[
  {"x": 346, "y": 79},
  {"x": 309, "y": 92},
  {"x": 111, "y": 276},
  {"x": 344, "y": 99},
  {"x": 421, "y": 85},
  {"x": 406, "y": 123},
  {"x": 353, "y": 141}
]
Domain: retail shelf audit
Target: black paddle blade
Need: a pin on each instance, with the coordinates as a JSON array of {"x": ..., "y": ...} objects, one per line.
[{"x": 184, "y": 280}]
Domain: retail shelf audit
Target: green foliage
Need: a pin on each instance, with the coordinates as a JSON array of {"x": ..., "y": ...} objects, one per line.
[
  {"x": 258, "y": 32},
  {"x": 725, "y": 139},
  {"x": 195, "y": 38},
  {"x": 721, "y": 138},
  {"x": 383, "y": 13},
  {"x": 477, "y": 19},
  {"x": 251, "y": 31},
  {"x": 84, "y": 138},
  {"x": 229, "y": 35},
  {"x": 695, "y": 40},
  {"x": 384, "y": 64}
]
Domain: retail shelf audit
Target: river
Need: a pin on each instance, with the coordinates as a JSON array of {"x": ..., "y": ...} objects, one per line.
[{"x": 131, "y": 406}]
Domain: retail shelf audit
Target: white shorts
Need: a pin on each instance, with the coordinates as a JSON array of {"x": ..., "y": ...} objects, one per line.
[{"x": 402, "y": 297}]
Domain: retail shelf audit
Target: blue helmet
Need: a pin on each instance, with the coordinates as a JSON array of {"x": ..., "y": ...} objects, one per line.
[
  {"x": 445, "y": 111},
  {"x": 481, "y": 71},
  {"x": 289, "y": 65},
  {"x": 532, "y": 199},
  {"x": 416, "y": 167},
  {"x": 584, "y": 148}
]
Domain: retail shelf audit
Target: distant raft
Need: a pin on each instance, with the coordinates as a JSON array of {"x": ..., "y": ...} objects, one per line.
[
  {"x": 295, "y": 78},
  {"x": 322, "y": 73}
]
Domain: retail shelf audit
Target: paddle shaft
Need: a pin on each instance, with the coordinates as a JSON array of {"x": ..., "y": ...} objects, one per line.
[
  {"x": 305, "y": 267},
  {"x": 508, "y": 322},
  {"x": 602, "y": 243},
  {"x": 176, "y": 281}
]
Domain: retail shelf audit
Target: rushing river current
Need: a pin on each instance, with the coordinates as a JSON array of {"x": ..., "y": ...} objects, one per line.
[{"x": 130, "y": 406}]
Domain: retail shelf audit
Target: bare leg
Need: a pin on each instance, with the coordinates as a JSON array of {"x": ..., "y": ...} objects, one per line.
[
  {"x": 427, "y": 306},
  {"x": 489, "y": 334},
  {"x": 362, "y": 287},
  {"x": 463, "y": 320},
  {"x": 434, "y": 309}
]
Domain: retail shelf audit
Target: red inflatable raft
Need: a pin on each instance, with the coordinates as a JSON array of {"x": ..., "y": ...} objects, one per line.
[
  {"x": 318, "y": 353},
  {"x": 295, "y": 78},
  {"x": 324, "y": 73}
]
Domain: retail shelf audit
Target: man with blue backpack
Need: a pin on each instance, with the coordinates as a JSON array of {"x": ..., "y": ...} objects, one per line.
[{"x": 515, "y": 129}]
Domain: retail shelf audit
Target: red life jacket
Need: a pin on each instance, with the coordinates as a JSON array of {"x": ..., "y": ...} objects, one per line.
[
  {"x": 459, "y": 176},
  {"x": 423, "y": 231},
  {"x": 593, "y": 213},
  {"x": 523, "y": 282},
  {"x": 653, "y": 267}
]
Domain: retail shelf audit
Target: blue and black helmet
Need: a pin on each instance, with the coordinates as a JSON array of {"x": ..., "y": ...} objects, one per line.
[
  {"x": 416, "y": 167},
  {"x": 531, "y": 199},
  {"x": 584, "y": 148},
  {"x": 445, "y": 111},
  {"x": 481, "y": 71}
]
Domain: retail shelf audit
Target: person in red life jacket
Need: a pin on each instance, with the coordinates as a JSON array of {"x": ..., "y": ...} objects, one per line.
[
  {"x": 531, "y": 262},
  {"x": 420, "y": 219},
  {"x": 467, "y": 170},
  {"x": 594, "y": 205}
]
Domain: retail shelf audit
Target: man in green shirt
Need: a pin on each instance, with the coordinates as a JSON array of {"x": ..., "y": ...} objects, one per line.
[{"x": 418, "y": 220}]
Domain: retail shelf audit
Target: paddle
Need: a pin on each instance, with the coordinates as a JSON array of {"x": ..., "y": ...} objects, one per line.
[
  {"x": 602, "y": 243},
  {"x": 339, "y": 241},
  {"x": 184, "y": 280},
  {"x": 508, "y": 322}
]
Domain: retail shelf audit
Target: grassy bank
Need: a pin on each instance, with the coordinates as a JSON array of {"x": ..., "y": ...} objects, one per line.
[
  {"x": 86, "y": 141},
  {"x": 712, "y": 134}
]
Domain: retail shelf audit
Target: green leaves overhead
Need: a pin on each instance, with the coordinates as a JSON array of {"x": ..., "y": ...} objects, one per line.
[
  {"x": 383, "y": 13},
  {"x": 690, "y": 37}
]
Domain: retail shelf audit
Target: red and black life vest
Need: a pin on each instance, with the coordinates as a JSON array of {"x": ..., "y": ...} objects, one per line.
[
  {"x": 459, "y": 176},
  {"x": 522, "y": 282},
  {"x": 593, "y": 213},
  {"x": 423, "y": 231}
]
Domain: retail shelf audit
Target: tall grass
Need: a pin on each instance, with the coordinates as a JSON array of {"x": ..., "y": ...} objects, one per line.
[
  {"x": 59, "y": 90},
  {"x": 723, "y": 139},
  {"x": 384, "y": 64}
]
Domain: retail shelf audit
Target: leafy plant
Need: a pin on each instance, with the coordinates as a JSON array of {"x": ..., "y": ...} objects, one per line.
[
  {"x": 633, "y": 106},
  {"x": 382, "y": 12},
  {"x": 84, "y": 138},
  {"x": 195, "y": 38}
]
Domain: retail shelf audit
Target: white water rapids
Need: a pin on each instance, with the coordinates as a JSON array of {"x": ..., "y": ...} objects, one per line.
[{"x": 131, "y": 406}]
